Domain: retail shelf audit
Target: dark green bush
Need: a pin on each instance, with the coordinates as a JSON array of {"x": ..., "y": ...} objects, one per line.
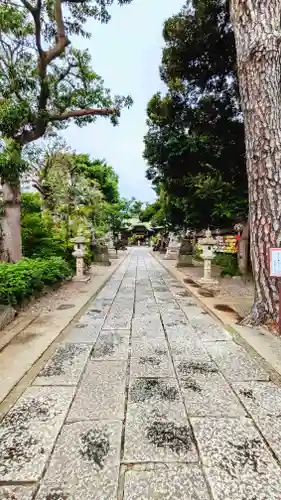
[
  {"x": 21, "y": 280},
  {"x": 228, "y": 264},
  {"x": 40, "y": 236}
]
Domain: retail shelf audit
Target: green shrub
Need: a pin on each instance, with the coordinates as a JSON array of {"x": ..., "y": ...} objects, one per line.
[
  {"x": 41, "y": 238},
  {"x": 228, "y": 264},
  {"x": 21, "y": 280},
  {"x": 198, "y": 253}
]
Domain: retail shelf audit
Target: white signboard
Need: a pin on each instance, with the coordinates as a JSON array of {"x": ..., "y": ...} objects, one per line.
[{"x": 275, "y": 262}]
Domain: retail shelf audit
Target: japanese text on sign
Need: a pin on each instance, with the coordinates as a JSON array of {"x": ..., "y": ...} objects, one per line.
[{"x": 275, "y": 262}]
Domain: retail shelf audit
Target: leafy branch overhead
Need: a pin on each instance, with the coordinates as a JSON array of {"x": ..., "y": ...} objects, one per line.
[{"x": 44, "y": 80}]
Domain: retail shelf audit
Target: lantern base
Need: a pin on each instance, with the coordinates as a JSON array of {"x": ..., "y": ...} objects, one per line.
[
  {"x": 83, "y": 279},
  {"x": 185, "y": 261},
  {"x": 208, "y": 282}
]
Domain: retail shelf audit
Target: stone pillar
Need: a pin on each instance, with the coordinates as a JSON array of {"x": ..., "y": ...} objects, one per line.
[
  {"x": 208, "y": 243},
  {"x": 207, "y": 270},
  {"x": 79, "y": 266},
  {"x": 79, "y": 254}
]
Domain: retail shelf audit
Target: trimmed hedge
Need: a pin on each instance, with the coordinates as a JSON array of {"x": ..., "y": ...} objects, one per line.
[{"x": 24, "y": 278}]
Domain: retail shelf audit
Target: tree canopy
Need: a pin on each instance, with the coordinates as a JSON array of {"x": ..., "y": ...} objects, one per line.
[
  {"x": 45, "y": 81},
  {"x": 194, "y": 146}
]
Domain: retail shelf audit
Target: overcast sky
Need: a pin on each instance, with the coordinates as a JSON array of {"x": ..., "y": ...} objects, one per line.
[{"x": 127, "y": 54}]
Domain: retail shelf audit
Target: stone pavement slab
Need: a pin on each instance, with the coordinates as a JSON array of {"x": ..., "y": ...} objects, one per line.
[
  {"x": 16, "y": 492},
  {"x": 101, "y": 394},
  {"x": 147, "y": 326},
  {"x": 169, "y": 483},
  {"x": 65, "y": 366},
  {"x": 119, "y": 321},
  {"x": 96, "y": 312},
  {"x": 85, "y": 463},
  {"x": 157, "y": 429},
  {"x": 142, "y": 309},
  {"x": 263, "y": 402},
  {"x": 237, "y": 463},
  {"x": 161, "y": 434},
  {"x": 175, "y": 319},
  {"x": 148, "y": 347},
  {"x": 182, "y": 335},
  {"x": 262, "y": 399},
  {"x": 208, "y": 330},
  {"x": 270, "y": 428},
  {"x": 207, "y": 394},
  {"x": 29, "y": 430},
  {"x": 191, "y": 310},
  {"x": 85, "y": 332},
  {"x": 235, "y": 363},
  {"x": 154, "y": 391},
  {"x": 194, "y": 365},
  {"x": 111, "y": 345},
  {"x": 152, "y": 365}
]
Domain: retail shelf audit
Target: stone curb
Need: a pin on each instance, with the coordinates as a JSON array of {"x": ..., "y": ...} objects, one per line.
[
  {"x": 259, "y": 341},
  {"x": 39, "y": 338}
]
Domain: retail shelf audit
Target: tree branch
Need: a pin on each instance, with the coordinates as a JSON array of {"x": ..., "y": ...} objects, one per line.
[
  {"x": 76, "y": 113},
  {"x": 45, "y": 58},
  {"x": 37, "y": 21},
  {"x": 61, "y": 39},
  {"x": 65, "y": 73},
  {"x": 28, "y": 6}
]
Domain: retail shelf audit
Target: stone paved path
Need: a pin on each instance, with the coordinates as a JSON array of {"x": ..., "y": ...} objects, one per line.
[{"x": 147, "y": 398}]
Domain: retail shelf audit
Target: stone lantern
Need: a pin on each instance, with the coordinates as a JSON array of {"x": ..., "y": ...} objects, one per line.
[
  {"x": 208, "y": 245},
  {"x": 79, "y": 254}
]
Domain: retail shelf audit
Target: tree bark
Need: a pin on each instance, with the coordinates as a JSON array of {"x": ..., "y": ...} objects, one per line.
[
  {"x": 257, "y": 35},
  {"x": 11, "y": 223},
  {"x": 243, "y": 250}
]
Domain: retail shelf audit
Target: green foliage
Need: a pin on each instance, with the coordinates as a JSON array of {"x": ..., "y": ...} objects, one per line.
[
  {"x": 100, "y": 172},
  {"x": 198, "y": 253},
  {"x": 28, "y": 276},
  {"x": 72, "y": 197},
  {"x": 135, "y": 207},
  {"x": 31, "y": 203},
  {"x": 45, "y": 81},
  {"x": 40, "y": 236},
  {"x": 77, "y": 194},
  {"x": 228, "y": 264},
  {"x": 11, "y": 162},
  {"x": 195, "y": 141}
]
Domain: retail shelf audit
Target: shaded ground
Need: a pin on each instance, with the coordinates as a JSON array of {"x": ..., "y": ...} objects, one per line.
[
  {"x": 147, "y": 398},
  {"x": 233, "y": 292}
]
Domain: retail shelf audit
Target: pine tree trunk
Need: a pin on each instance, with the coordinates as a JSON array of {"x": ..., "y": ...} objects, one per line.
[
  {"x": 11, "y": 223},
  {"x": 257, "y": 35}
]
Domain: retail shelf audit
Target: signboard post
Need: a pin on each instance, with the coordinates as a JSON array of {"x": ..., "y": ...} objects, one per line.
[{"x": 275, "y": 272}]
